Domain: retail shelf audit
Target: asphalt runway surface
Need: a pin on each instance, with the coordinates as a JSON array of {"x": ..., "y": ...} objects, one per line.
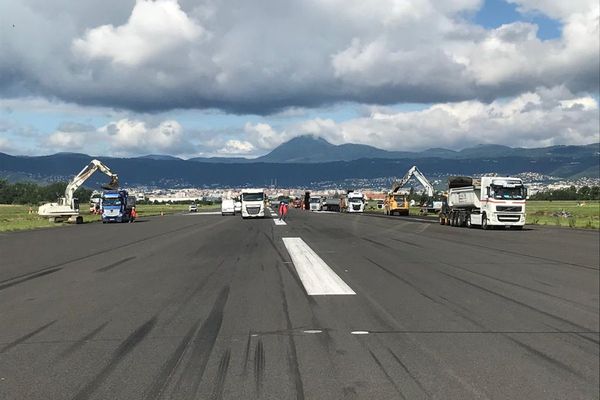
[{"x": 326, "y": 306}]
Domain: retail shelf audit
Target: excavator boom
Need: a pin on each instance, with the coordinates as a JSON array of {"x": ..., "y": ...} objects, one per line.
[{"x": 66, "y": 207}]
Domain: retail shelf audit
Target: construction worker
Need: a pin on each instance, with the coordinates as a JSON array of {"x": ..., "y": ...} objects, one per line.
[
  {"x": 283, "y": 210},
  {"x": 133, "y": 215}
]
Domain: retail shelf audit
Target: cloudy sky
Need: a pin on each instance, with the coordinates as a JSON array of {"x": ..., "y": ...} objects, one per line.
[{"x": 237, "y": 77}]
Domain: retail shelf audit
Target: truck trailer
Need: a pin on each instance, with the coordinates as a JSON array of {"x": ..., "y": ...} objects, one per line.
[{"x": 489, "y": 202}]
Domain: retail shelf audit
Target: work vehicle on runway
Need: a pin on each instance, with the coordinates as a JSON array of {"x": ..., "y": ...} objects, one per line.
[
  {"x": 488, "y": 201},
  {"x": 316, "y": 203},
  {"x": 352, "y": 202},
  {"x": 397, "y": 203},
  {"x": 227, "y": 207},
  {"x": 253, "y": 203},
  {"x": 67, "y": 207},
  {"x": 117, "y": 206},
  {"x": 193, "y": 208}
]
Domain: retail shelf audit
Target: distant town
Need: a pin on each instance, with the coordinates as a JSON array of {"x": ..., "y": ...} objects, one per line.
[{"x": 373, "y": 188}]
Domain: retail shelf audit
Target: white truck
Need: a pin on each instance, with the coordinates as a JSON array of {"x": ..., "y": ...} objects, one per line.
[
  {"x": 316, "y": 203},
  {"x": 354, "y": 202},
  {"x": 489, "y": 202},
  {"x": 253, "y": 203}
]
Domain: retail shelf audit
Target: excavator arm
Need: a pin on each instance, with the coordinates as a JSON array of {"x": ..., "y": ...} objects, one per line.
[
  {"x": 85, "y": 174},
  {"x": 413, "y": 171}
]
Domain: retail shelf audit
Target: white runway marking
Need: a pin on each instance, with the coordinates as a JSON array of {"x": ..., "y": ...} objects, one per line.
[
  {"x": 279, "y": 222},
  {"x": 359, "y": 332},
  {"x": 205, "y": 213},
  {"x": 316, "y": 276}
]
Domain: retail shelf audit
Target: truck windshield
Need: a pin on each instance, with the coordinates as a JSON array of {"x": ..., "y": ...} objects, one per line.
[
  {"x": 399, "y": 198},
  {"x": 315, "y": 200},
  {"x": 252, "y": 196},
  {"x": 508, "y": 193},
  {"x": 111, "y": 202}
]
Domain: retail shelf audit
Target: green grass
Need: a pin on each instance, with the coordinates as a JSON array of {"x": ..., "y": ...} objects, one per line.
[
  {"x": 570, "y": 214},
  {"x": 18, "y": 217},
  {"x": 573, "y": 214}
]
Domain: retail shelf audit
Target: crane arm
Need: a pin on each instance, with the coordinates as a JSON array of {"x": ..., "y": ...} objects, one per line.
[
  {"x": 85, "y": 174},
  {"x": 413, "y": 171}
]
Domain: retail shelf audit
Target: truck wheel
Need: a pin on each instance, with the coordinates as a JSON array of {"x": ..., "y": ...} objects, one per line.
[
  {"x": 461, "y": 221},
  {"x": 442, "y": 220},
  {"x": 484, "y": 223}
]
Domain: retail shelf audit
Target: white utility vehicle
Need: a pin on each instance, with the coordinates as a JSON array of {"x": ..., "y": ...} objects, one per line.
[
  {"x": 227, "y": 207},
  {"x": 253, "y": 203}
]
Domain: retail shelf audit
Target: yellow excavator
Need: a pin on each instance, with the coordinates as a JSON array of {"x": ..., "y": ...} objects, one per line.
[{"x": 398, "y": 203}]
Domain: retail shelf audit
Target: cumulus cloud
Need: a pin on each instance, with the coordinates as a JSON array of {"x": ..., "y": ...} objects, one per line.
[
  {"x": 262, "y": 57},
  {"x": 130, "y": 136},
  {"x": 67, "y": 141},
  {"x": 154, "y": 29},
  {"x": 534, "y": 119},
  {"x": 236, "y": 147}
]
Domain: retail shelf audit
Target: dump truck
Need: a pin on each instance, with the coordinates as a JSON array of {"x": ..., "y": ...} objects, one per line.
[
  {"x": 117, "y": 206},
  {"x": 489, "y": 202}
]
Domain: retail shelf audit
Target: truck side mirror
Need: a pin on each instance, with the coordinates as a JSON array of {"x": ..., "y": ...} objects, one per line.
[
  {"x": 487, "y": 191},
  {"x": 526, "y": 193}
]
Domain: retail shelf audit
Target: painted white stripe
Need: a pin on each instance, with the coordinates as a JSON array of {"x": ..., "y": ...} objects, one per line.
[
  {"x": 316, "y": 276},
  {"x": 205, "y": 213},
  {"x": 279, "y": 222}
]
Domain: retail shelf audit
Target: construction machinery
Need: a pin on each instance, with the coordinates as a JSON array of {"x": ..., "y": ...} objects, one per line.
[
  {"x": 67, "y": 207},
  {"x": 397, "y": 203},
  {"x": 488, "y": 202}
]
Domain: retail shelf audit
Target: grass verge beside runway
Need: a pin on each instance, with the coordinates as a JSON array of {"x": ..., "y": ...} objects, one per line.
[
  {"x": 569, "y": 213},
  {"x": 23, "y": 217}
]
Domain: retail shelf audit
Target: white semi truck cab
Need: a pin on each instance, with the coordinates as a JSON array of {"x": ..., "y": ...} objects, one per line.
[
  {"x": 488, "y": 202},
  {"x": 356, "y": 202},
  {"x": 316, "y": 203},
  {"x": 253, "y": 203}
]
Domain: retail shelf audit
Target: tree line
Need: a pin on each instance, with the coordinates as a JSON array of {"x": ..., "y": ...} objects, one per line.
[
  {"x": 32, "y": 193},
  {"x": 570, "y": 193}
]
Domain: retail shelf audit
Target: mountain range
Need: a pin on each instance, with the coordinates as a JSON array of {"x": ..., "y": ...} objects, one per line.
[{"x": 306, "y": 160}]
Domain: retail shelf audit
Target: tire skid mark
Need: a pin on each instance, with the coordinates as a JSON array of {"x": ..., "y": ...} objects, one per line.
[
  {"x": 79, "y": 343},
  {"x": 540, "y": 355},
  {"x": 409, "y": 373},
  {"x": 110, "y": 250},
  {"x": 292, "y": 356},
  {"x": 115, "y": 264},
  {"x": 545, "y": 357},
  {"x": 130, "y": 343},
  {"x": 484, "y": 289},
  {"x": 582, "y": 307},
  {"x": 407, "y": 242},
  {"x": 201, "y": 349},
  {"x": 170, "y": 366},
  {"x": 16, "y": 281},
  {"x": 259, "y": 367},
  {"x": 193, "y": 293},
  {"x": 379, "y": 244},
  {"x": 387, "y": 375},
  {"x": 247, "y": 354},
  {"x": 219, "y": 385},
  {"x": 400, "y": 278},
  {"x": 23, "y": 338}
]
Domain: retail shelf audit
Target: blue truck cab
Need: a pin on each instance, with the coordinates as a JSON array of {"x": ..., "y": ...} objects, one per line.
[{"x": 117, "y": 206}]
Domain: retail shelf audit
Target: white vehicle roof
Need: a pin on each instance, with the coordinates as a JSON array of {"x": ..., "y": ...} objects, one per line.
[{"x": 253, "y": 190}]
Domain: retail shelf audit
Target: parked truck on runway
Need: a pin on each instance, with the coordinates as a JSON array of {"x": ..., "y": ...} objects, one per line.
[{"x": 488, "y": 202}]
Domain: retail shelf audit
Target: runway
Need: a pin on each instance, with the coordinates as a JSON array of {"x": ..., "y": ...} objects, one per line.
[{"x": 323, "y": 306}]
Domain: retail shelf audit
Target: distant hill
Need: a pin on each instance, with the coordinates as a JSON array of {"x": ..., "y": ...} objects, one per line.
[
  {"x": 290, "y": 168},
  {"x": 310, "y": 149}
]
